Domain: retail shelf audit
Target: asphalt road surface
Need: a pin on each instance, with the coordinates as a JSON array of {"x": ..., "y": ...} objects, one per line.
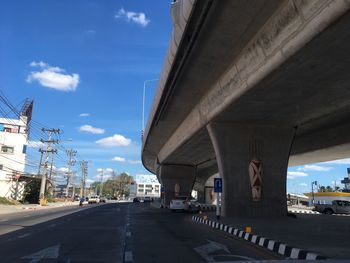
[{"x": 118, "y": 232}]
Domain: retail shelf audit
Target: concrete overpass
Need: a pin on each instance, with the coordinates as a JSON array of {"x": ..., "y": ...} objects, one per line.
[{"x": 246, "y": 88}]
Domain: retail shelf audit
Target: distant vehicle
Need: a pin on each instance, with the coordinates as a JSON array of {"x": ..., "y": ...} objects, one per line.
[
  {"x": 179, "y": 203},
  {"x": 136, "y": 200},
  {"x": 147, "y": 199},
  {"x": 337, "y": 207},
  {"x": 103, "y": 200},
  {"x": 192, "y": 205},
  {"x": 94, "y": 199}
]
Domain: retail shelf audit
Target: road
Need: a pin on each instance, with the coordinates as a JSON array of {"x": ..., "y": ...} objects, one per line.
[{"x": 119, "y": 232}]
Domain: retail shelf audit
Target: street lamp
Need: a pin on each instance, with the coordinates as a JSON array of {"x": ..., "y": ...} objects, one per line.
[
  {"x": 143, "y": 102},
  {"x": 312, "y": 191}
]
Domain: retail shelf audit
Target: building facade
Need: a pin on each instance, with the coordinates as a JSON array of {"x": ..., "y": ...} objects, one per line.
[{"x": 13, "y": 147}]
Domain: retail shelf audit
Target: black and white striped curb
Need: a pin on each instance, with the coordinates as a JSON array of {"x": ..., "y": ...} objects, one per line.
[
  {"x": 313, "y": 212},
  {"x": 303, "y": 212},
  {"x": 208, "y": 207},
  {"x": 275, "y": 246}
]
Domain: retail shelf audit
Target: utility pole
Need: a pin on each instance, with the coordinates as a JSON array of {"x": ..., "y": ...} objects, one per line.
[
  {"x": 101, "y": 186},
  {"x": 46, "y": 151},
  {"x": 71, "y": 162},
  {"x": 83, "y": 165}
]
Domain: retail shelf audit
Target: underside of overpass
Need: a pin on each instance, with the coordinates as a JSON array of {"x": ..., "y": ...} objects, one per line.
[{"x": 252, "y": 80}]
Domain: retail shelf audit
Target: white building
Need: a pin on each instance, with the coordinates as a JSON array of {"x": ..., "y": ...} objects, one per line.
[
  {"x": 145, "y": 185},
  {"x": 13, "y": 146}
]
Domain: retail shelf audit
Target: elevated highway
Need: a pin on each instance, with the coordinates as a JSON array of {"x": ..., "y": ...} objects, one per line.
[{"x": 248, "y": 88}]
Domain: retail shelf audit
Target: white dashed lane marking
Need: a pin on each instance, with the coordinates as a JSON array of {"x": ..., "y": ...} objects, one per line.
[
  {"x": 3, "y": 220},
  {"x": 128, "y": 234},
  {"x": 24, "y": 235}
]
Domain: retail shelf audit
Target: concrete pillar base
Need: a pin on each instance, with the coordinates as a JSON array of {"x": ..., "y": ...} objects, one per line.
[
  {"x": 181, "y": 177},
  {"x": 261, "y": 151}
]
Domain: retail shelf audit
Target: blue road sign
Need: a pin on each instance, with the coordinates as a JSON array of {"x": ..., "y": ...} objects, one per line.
[{"x": 217, "y": 185}]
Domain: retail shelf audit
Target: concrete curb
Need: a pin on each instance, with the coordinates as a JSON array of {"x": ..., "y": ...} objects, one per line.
[
  {"x": 303, "y": 212},
  {"x": 272, "y": 245}
]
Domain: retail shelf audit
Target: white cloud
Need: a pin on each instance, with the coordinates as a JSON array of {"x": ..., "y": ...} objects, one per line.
[
  {"x": 114, "y": 141},
  {"x": 53, "y": 77},
  {"x": 303, "y": 184},
  {"x": 292, "y": 175},
  {"x": 84, "y": 115},
  {"x": 118, "y": 159},
  {"x": 105, "y": 170},
  {"x": 36, "y": 144},
  {"x": 342, "y": 161},
  {"x": 91, "y": 129},
  {"x": 134, "y": 161},
  {"x": 137, "y": 18},
  {"x": 318, "y": 168}
]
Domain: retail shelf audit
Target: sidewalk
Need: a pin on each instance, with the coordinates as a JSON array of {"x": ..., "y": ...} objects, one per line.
[
  {"x": 325, "y": 235},
  {"x": 9, "y": 209}
]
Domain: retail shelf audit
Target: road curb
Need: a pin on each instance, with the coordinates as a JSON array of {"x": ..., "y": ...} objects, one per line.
[
  {"x": 303, "y": 212},
  {"x": 272, "y": 245}
]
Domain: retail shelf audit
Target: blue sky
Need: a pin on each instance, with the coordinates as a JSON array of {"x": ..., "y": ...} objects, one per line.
[{"x": 84, "y": 63}]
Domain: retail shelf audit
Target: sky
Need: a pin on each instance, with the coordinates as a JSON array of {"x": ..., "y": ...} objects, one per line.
[{"x": 84, "y": 62}]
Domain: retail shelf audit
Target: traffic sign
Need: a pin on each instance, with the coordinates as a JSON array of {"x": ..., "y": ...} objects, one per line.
[{"x": 218, "y": 185}]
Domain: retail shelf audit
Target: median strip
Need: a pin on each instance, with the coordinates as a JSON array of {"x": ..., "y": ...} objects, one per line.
[{"x": 272, "y": 245}]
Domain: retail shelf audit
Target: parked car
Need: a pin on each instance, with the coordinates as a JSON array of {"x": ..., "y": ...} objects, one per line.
[
  {"x": 94, "y": 199},
  {"x": 103, "y": 200},
  {"x": 179, "y": 203},
  {"x": 136, "y": 200},
  {"x": 337, "y": 207},
  {"x": 147, "y": 199},
  {"x": 192, "y": 205}
]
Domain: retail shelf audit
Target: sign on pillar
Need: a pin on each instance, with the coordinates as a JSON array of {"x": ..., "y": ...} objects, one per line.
[{"x": 218, "y": 190}]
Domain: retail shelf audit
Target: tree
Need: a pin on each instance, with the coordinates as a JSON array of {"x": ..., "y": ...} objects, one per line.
[
  {"x": 31, "y": 191},
  {"x": 116, "y": 186}
]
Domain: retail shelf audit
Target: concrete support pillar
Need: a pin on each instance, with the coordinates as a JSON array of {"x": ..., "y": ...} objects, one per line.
[
  {"x": 177, "y": 180},
  {"x": 252, "y": 162}
]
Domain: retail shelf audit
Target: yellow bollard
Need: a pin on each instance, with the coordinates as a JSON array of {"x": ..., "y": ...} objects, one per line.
[
  {"x": 248, "y": 229},
  {"x": 205, "y": 217}
]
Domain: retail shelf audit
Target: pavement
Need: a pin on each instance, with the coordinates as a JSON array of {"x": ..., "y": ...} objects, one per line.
[
  {"x": 326, "y": 235},
  {"x": 7, "y": 209},
  {"x": 117, "y": 232}
]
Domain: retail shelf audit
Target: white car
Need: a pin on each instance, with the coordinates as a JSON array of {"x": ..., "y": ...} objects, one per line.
[
  {"x": 184, "y": 203},
  {"x": 178, "y": 203},
  {"x": 94, "y": 199}
]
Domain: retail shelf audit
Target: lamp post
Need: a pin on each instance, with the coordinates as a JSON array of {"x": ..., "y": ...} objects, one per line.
[
  {"x": 312, "y": 191},
  {"x": 143, "y": 103}
]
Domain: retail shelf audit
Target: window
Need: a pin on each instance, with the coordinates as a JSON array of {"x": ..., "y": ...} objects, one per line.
[
  {"x": 6, "y": 129},
  {"x": 141, "y": 185},
  {"x": 1, "y": 167},
  {"x": 24, "y": 149},
  {"x": 140, "y": 190},
  {"x": 6, "y": 149}
]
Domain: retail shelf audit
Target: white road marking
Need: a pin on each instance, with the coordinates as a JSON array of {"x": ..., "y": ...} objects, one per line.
[
  {"x": 206, "y": 251},
  {"x": 50, "y": 252},
  {"x": 3, "y": 220},
  {"x": 128, "y": 234},
  {"x": 128, "y": 224},
  {"x": 24, "y": 235},
  {"x": 52, "y": 225},
  {"x": 26, "y": 216},
  {"x": 128, "y": 256}
]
